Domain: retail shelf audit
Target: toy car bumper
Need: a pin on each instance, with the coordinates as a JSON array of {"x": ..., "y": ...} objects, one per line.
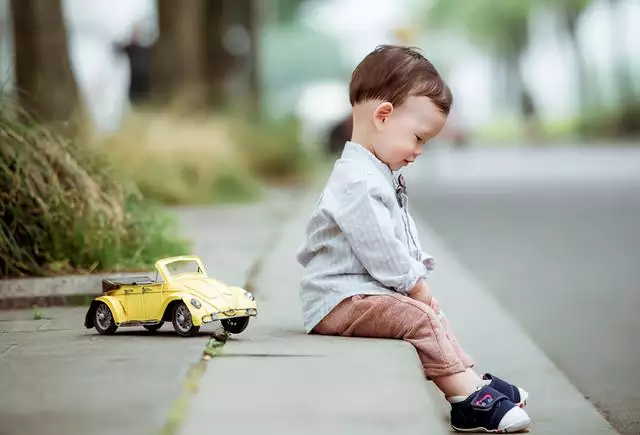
[{"x": 229, "y": 315}]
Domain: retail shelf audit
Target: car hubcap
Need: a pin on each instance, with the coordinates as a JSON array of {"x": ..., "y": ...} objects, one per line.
[
  {"x": 183, "y": 318},
  {"x": 103, "y": 317}
]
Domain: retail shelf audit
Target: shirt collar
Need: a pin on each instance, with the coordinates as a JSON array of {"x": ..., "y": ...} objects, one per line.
[{"x": 356, "y": 151}]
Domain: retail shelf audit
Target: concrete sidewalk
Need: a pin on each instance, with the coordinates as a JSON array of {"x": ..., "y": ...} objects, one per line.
[
  {"x": 58, "y": 378},
  {"x": 274, "y": 379}
]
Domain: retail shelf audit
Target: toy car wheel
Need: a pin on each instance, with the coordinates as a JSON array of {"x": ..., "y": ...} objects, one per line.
[
  {"x": 103, "y": 320},
  {"x": 153, "y": 328},
  {"x": 235, "y": 325},
  {"x": 182, "y": 322}
]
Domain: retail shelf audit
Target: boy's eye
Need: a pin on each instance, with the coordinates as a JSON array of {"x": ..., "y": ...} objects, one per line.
[{"x": 418, "y": 138}]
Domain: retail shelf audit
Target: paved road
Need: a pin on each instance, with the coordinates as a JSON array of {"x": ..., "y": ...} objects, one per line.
[{"x": 555, "y": 235}]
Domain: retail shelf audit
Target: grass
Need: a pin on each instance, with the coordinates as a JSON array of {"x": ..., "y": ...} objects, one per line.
[
  {"x": 273, "y": 150},
  {"x": 178, "y": 411},
  {"x": 67, "y": 209},
  {"x": 37, "y": 314},
  {"x": 178, "y": 160},
  {"x": 96, "y": 203},
  {"x": 206, "y": 158}
]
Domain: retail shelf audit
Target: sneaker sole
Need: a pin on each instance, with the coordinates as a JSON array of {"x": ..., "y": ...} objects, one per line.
[{"x": 518, "y": 427}]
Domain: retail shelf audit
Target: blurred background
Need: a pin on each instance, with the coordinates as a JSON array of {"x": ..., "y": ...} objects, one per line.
[
  {"x": 531, "y": 69},
  {"x": 113, "y": 110}
]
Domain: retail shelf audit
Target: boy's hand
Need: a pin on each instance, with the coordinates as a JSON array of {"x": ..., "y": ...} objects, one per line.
[{"x": 421, "y": 292}]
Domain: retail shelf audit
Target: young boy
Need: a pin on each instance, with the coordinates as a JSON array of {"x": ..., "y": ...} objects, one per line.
[{"x": 365, "y": 271}]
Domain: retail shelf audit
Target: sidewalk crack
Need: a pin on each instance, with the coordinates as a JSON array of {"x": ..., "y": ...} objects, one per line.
[
  {"x": 195, "y": 373},
  {"x": 5, "y": 351}
]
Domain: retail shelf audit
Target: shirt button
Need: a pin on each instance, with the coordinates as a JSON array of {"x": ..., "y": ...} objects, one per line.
[{"x": 429, "y": 263}]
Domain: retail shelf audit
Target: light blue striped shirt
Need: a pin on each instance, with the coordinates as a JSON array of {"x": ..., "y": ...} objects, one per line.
[{"x": 360, "y": 238}]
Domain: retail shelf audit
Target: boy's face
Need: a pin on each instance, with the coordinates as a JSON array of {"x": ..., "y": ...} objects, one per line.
[{"x": 403, "y": 131}]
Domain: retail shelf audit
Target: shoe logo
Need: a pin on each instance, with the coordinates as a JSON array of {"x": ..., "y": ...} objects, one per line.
[{"x": 485, "y": 401}]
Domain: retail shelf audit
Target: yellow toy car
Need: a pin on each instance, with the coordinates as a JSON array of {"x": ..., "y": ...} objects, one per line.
[{"x": 181, "y": 293}]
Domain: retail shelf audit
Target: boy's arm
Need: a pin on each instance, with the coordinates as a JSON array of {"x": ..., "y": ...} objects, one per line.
[{"x": 366, "y": 221}]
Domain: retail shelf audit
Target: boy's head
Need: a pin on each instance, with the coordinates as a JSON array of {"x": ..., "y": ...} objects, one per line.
[{"x": 399, "y": 102}]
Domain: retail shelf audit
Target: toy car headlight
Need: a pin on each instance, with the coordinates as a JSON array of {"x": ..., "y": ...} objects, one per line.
[
  {"x": 196, "y": 303},
  {"x": 248, "y": 295}
]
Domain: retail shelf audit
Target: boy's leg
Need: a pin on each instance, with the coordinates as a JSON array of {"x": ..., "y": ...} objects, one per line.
[
  {"x": 464, "y": 357},
  {"x": 474, "y": 407},
  {"x": 399, "y": 317},
  {"x": 516, "y": 394}
]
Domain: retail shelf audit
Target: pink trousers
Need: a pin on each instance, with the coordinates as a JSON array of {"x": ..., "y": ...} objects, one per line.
[{"x": 400, "y": 317}]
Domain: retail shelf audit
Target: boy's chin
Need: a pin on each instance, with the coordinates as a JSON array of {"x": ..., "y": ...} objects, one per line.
[{"x": 398, "y": 166}]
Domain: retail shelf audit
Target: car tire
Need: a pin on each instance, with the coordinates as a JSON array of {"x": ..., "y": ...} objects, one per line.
[
  {"x": 153, "y": 328},
  {"x": 235, "y": 325},
  {"x": 103, "y": 319},
  {"x": 182, "y": 322}
]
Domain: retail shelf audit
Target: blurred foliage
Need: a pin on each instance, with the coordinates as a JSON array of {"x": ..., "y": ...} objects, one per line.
[
  {"x": 570, "y": 10},
  {"x": 293, "y": 57},
  {"x": 500, "y": 27},
  {"x": 205, "y": 158},
  {"x": 181, "y": 159},
  {"x": 287, "y": 10},
  {"x": 289, "y": 62},
  {"x": 66, "y": 209},
  {"x": 80, "y": 203},
  {"x": 591, "y": 126},
  {"x": 620, "y": 122},
  {"x": 273, "y": 149}
]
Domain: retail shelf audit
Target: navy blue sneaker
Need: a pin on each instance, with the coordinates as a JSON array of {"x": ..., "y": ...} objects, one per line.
[
  {"x": 514, "y": 393},
  {"x": 488, "y": 410}
]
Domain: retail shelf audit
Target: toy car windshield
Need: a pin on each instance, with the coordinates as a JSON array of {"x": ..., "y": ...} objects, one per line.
[{"x": 181, "y": 267}]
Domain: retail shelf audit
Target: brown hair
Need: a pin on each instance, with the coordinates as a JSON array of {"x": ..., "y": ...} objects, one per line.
[{"x": 392, "y": 73}]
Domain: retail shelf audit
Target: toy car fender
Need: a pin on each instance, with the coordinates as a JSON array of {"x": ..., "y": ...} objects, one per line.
[
  {"x": 114, "y": 305},
  {"x": 196, "y": 313}
]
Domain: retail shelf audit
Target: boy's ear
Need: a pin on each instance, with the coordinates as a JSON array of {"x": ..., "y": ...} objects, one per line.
[{"x": 381, "y": 113}]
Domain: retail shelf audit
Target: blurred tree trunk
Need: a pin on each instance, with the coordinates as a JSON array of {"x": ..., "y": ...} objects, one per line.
[
  {"x": 569, "y": 13},
  {"x": 523, "y": 99},
  {"x": 218, "y": 61},
  {"x": 244, "y": 43},
  {"x": 627, "y": 120},
  {"x": 570, "y": 20},
  {"x": 621, "y": 68},
  {"x": 207, "y": 53},
  {"x": 177, "y": 76},
  {"x": 44, "y": 80},
  {"x": 251, "y": 18}
]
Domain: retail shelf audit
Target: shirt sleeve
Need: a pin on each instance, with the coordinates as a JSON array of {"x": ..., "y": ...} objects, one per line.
[{"x": 364, "y": 218}]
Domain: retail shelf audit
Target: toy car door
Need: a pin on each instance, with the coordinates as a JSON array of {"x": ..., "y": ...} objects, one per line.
[
  {"x": 152, "y": 299},
  {"x": 133, "y": 303}
]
